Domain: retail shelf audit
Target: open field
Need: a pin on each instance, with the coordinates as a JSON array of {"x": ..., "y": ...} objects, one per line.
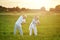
[{"x": 49, "y": 28}]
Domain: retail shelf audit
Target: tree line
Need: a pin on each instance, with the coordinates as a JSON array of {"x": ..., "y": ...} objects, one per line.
[
  {"x": 56, "y": 9},
  {"x": 14, "y": 9},
  {"x": 17, "y": 9}
]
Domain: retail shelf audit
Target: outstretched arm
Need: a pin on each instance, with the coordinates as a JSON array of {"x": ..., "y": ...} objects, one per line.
[
  {"x": 24, "y": 20},
  {"x": 38, "y": 22}
]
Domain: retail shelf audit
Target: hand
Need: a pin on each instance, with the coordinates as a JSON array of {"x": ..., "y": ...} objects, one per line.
[
  {"x": 24, "y": 22},
  {"x": 38, "y": 23}
]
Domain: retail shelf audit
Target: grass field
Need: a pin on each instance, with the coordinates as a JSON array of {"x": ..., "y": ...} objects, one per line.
[{"x": 49, "y": 28}]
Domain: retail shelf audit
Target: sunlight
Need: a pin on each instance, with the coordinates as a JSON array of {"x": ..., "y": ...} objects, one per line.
[
  {"x": 35, "y": 4},
  {"x": 31, "y": 4}
]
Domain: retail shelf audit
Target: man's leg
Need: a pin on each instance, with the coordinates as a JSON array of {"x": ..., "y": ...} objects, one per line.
[
  {"x": 35, "y": 31},
  {"x": 20, "y": 30},
  {"x": 15, "y": 29}
]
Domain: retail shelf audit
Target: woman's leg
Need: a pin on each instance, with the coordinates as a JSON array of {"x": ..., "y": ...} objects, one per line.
[
  {"x": 35, "y": 31},
  {"x": 30, "y": 31}
]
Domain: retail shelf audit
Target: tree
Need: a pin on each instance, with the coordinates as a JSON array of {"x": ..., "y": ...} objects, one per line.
[
  {"x": 52, "y": 10},
  {"x": 23, "y": 8},
  {"x": 2, "y": 9},
  {"x": 17, "y": 9},
  {"x": 43, "y": 9},
  {"x": 57, "y": 8}
]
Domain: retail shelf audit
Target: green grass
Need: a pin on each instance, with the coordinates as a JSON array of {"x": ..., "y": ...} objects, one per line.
[{"x": 49, "y": 28}]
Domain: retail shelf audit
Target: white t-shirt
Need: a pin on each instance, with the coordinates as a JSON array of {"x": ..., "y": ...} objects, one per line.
[
  {"x": 34, "y": 22},
  {"x": 20, "y": 20}
]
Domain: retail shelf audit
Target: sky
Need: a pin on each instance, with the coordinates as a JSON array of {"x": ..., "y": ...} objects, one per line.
[{"x": 31, "y": 4}]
